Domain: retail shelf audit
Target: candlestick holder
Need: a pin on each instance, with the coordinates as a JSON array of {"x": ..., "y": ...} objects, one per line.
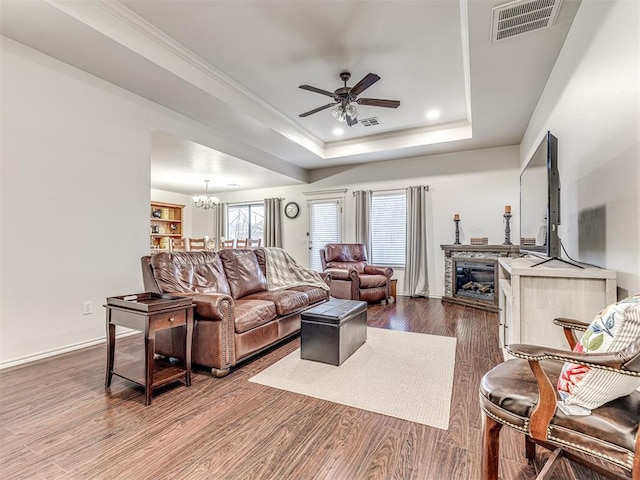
[
  {"x": 507, "y": 229},
  {"x": 457, "y": 242}
]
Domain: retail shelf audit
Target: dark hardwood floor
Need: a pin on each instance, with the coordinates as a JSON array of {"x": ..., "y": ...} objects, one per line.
[{"x": 57, "y": 421}]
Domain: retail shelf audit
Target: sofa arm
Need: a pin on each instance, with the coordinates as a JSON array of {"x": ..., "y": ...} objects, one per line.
[
  {"x": 213, "y": 306},
  {"x": 326, "y": 276},
  {"x": 378, "y": 270},
  {"x": 341, "y": 273}
]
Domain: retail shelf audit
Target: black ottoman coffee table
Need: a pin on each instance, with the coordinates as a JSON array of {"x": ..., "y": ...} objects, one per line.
[{"x": 331, "y": 332}]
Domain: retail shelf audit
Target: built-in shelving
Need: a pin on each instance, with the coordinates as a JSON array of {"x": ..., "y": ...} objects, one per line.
[{"x": 166, "y": 221}]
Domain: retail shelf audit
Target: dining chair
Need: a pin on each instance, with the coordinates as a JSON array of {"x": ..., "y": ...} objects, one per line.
[
  {"x": 197, "y": 244},
  {"x": 177, "y": 245},
  {"x": 224, "y": 244},
  {"x": 253, "y": 242}
]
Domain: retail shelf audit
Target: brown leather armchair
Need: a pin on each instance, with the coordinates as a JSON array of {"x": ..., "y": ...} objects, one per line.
[
  {"x": 521, "y": 394},
  {"x": 352, "y": 278}
]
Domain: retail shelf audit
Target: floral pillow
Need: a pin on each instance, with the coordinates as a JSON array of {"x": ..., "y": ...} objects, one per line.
[{"x": 583, "y": 388}]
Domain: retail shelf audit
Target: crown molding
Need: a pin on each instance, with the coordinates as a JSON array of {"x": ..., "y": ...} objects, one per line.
[
  {"x": 124, "y": 26},
  {"x": 120, "y": 24}
]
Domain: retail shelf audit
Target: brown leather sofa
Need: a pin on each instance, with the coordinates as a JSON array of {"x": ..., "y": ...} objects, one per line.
[
  {"x": 352, "y": 277},
  {"x": 235, "y": 316}
]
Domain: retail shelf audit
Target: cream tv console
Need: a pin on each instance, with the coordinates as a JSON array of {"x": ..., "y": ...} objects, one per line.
[{"x": 531, "y": 297}]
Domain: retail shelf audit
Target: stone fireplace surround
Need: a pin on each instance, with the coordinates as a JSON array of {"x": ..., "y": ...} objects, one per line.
[{"x": 462, "y": 252}]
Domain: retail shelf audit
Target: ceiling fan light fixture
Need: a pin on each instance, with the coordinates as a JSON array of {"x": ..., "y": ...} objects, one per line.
[
  {"x": 339, "y": 114},
  {"x": 345, "y": 98}
]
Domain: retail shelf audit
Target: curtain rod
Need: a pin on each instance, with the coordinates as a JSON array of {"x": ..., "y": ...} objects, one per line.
[
  {"x": 426, "y": 187},
  {"x": 327, "y": 192}
]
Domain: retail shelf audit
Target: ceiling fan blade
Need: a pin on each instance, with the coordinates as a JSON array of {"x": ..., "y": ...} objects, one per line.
[
  {"x": 316, "y": 90},
  {"x": 351, "y": 121},
  {"x": 365, "y": 83},
  {"x": 310, "y": 112},
  {"x": 377, "y": 102}
]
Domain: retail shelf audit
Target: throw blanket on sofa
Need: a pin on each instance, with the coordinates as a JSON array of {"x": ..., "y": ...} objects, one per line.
[{"x": 284, "y": 272}]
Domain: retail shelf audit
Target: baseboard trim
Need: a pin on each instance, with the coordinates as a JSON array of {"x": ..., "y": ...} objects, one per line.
[{"x": 59, "y": 351}]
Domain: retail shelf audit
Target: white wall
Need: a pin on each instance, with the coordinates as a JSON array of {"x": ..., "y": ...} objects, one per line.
[
  {"x": 592, "y": 105},
  {"x": 75, "y": 188},
  {"x": 475, "y": 184},
  {"x": 74, "y": 199}
]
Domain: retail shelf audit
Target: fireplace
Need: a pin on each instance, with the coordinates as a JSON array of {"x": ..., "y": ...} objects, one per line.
[
  {"x": 471, "y": 274},
  {"x": 475, "y": 280}
]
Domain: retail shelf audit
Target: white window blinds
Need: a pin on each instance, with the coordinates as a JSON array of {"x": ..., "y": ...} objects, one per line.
[
  {"x": 388, "y": 228},
  {"x": 324, "y": 227}
]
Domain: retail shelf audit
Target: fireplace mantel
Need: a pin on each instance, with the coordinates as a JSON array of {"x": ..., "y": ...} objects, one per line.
[
  {"x": 461, "y": 252},
  {"x": 502, "y": 250}
]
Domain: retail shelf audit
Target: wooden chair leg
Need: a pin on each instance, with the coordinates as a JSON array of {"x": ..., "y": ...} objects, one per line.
[
  {"x": 490, "y": 448},
  {"x": 550, "y": 466},
  {"x": 529, "y": 448}
]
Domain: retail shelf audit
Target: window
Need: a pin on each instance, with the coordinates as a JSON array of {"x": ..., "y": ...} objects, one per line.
[
  {"x": 324, "y": 227},
  {"x": 388, "y": 228},
  {"x": 245, "y": 221}
]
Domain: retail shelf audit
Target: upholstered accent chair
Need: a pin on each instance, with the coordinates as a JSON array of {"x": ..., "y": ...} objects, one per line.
[
  {"x": 521, "y": 393},
  {"x": 352, "y": 277}
]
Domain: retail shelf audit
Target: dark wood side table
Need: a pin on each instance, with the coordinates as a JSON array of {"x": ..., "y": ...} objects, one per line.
[{"x": 149, "y": 313}]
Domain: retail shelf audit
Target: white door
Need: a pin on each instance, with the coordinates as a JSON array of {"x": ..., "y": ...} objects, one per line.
[{"x": 325, "y": 218}]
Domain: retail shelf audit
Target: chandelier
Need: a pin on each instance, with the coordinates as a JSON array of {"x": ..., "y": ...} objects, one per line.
[
  {"x": 205, "y": 201},
  {"x": 342, "y": 111}
]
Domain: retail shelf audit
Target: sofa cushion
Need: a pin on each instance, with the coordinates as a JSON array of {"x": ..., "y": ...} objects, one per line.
[
  {"x": 252, "y": 313},
  {"x": 357, "y": 266},
  {"x": 372, "y": 281},
  {"x": 262, "y": 261},
  {"x": 286, "y": 301},
  {"x": 583, "y": 388},
  {"x": 190, "y": 272},
  {"x": 314, "y": 294},
  {"x": 243, "y": 272}
]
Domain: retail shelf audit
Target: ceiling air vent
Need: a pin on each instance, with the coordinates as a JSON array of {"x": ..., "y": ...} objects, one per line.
[
  {"x": 369, "y": 122},
  {"x": 522, "y": 16}
]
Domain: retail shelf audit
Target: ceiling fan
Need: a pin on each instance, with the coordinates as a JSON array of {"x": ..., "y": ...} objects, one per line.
[{"x": 345, "y": 97}]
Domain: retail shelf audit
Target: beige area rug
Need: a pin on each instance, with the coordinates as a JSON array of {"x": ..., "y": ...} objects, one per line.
[{"x": 400, "y": 374}]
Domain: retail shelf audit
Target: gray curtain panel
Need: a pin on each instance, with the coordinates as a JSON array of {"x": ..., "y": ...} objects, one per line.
[
  {"x": 416, "y": 281},
  {"x": 363, "y": 219},
  {"x": 272, "y": 236},
  {"x": 220, "y": 223}
]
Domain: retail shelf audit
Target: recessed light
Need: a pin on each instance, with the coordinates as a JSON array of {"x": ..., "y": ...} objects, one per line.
[
  {"x": 338, "y": 131},
  {"x": 433, "y": 114},
  {"x": 233, "y": 184}
]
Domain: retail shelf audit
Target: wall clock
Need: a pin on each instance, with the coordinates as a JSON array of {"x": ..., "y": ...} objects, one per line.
[{"x": 291, "y": 210}]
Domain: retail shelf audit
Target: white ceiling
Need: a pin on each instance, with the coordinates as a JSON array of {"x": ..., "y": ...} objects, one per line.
[{"x": 235, "y": 67}]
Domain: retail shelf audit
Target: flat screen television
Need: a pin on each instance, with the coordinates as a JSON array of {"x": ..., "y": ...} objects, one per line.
[{"x": 540, "y": 201}]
